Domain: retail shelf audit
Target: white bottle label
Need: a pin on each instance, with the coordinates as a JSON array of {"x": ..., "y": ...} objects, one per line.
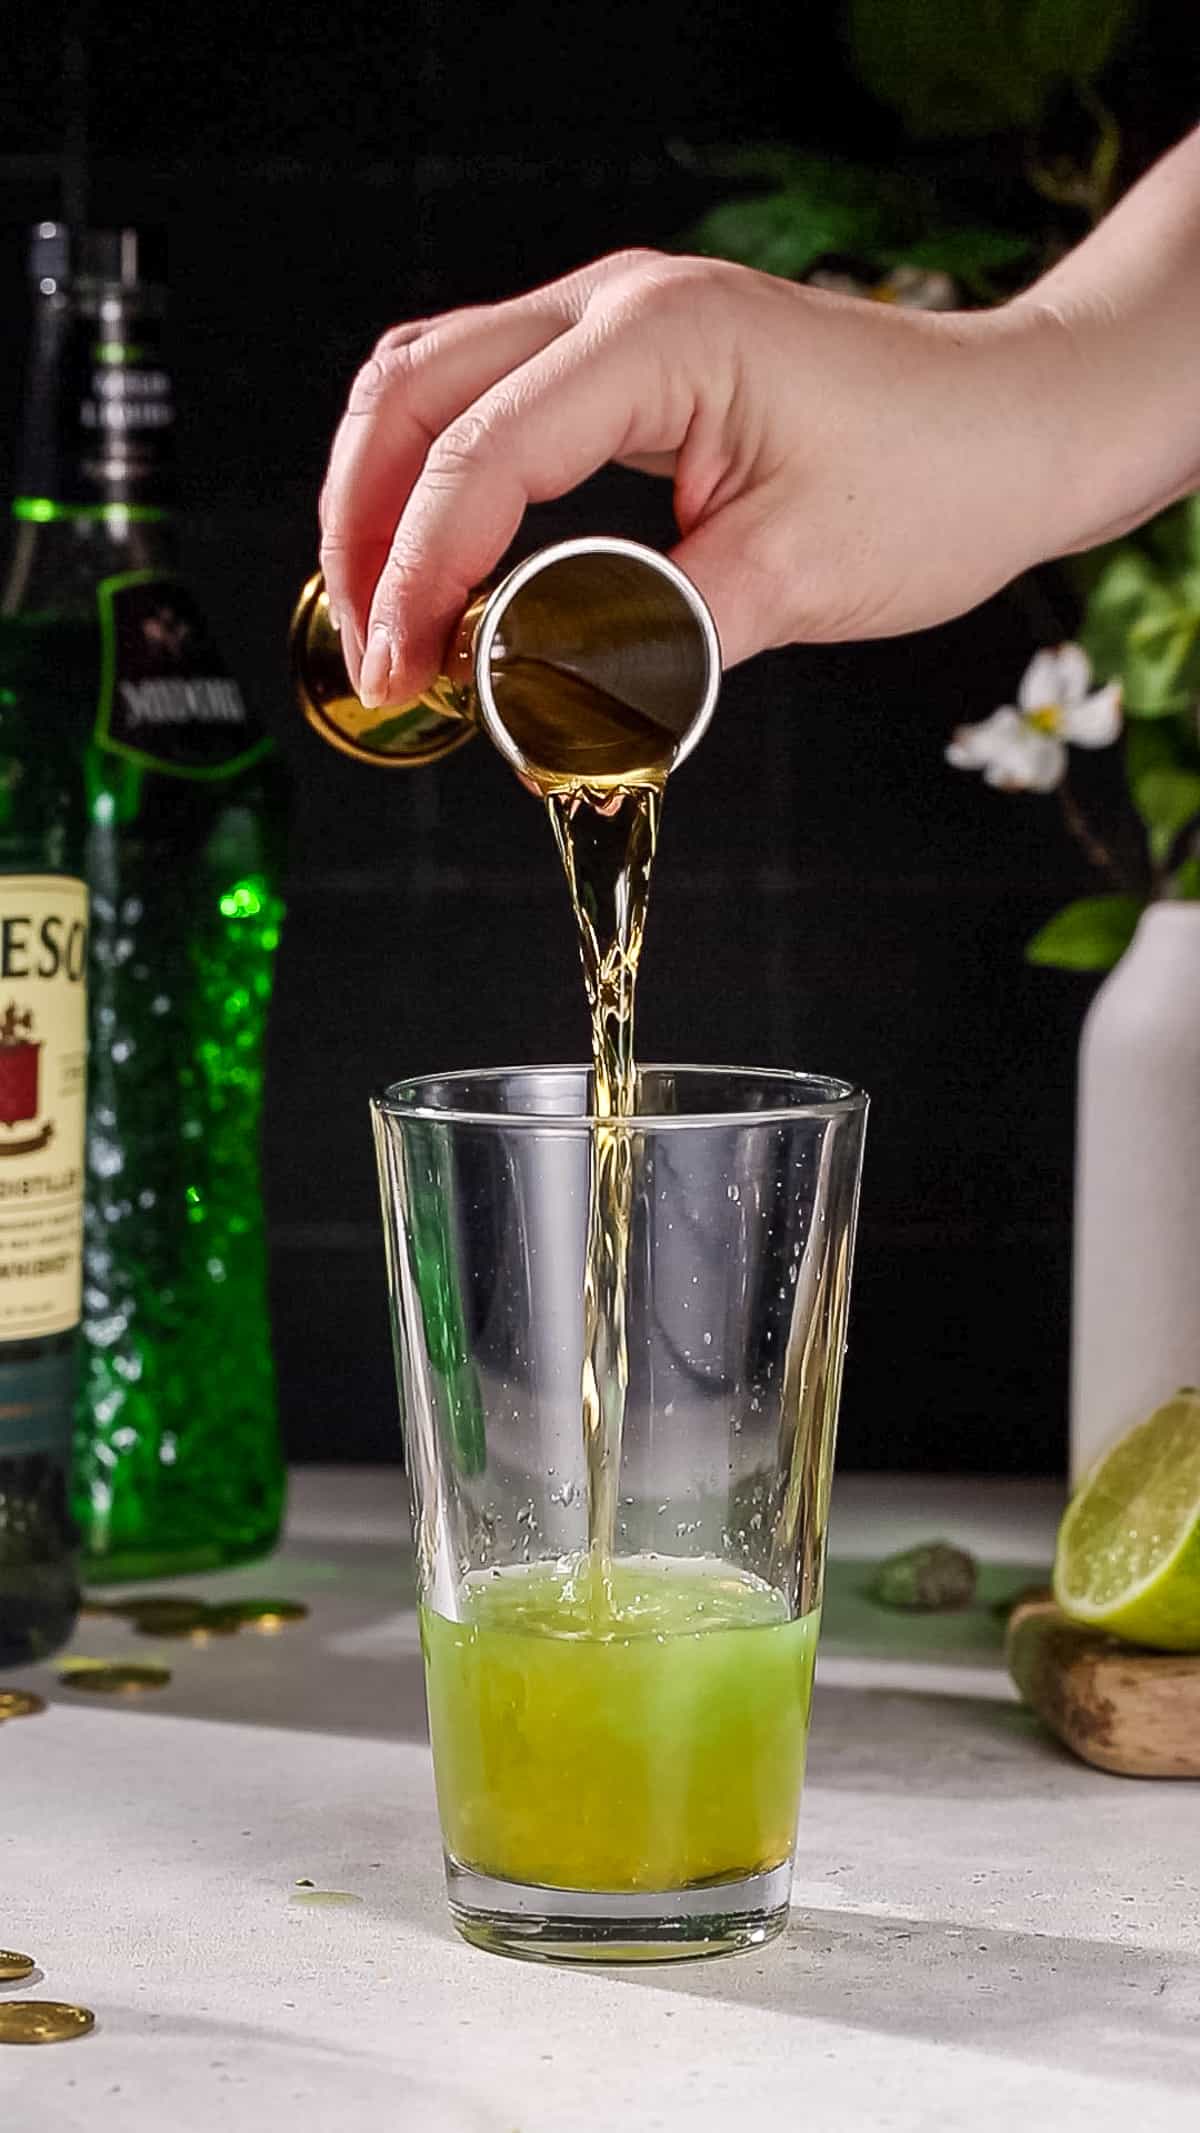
[{"x": 43, "y": 1068}]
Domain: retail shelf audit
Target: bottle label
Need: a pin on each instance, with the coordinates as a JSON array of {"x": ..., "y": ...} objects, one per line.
[
  {"x": 100, "y": 419},
  {"x": 43, "y": 1063},
  {"x": 36, "y": 1399},
  {"x": 167, "y": 699}
]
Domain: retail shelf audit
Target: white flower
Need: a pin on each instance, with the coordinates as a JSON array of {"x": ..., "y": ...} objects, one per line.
[
  {"x": 917, "y": 289},
  {"x": 913, "y": 288},
  {"x": 1024, "y": 749}
]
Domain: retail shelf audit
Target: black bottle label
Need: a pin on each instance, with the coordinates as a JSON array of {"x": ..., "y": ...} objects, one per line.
[
  {"x": 100, "y": 419},
  {"x": 35, "y": 1405},
  {"x": 167, "y": 699}
]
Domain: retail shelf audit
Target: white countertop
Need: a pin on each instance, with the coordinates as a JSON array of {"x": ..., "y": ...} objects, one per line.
[{"x": 985, "y": 1934}]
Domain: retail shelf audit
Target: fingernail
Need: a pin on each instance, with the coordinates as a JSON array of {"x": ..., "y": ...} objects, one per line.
[{"x": 376, "y": 668}]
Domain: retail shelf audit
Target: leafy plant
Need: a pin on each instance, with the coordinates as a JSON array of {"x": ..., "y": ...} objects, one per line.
[
  {"x": 820, "y": 208},
  {"x": 1091, "y": 934},
  {"x": 1027, "y": 80},
  {"x": 961, "y": 70},
  {"x": 1143, "y": 615},
  {"x": 1141, "y": 630}
]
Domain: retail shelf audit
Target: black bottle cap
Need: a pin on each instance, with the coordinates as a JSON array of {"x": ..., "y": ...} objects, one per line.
[{"x": 128, "y": 259}]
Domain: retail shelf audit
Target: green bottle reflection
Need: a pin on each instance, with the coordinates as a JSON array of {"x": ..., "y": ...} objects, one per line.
[{"x": 438, "y": 1284}]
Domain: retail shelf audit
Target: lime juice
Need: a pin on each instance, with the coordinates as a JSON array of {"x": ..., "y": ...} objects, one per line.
[{"x": 655, "y": 1742}]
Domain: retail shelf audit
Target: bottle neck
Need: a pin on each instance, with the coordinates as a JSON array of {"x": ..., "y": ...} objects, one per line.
[
  {"x": 95, "y": 487},
  {"x": 56, "y": 564}
]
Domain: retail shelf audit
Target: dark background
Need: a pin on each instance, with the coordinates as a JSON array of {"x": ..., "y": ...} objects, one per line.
[{"x": 829, "y": 894}]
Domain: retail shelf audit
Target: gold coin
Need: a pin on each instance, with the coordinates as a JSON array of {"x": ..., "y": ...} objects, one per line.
[
  {"x": 43, "y": 2021},
  {"x": 20, "y": 1703},
  {"x": 222, "y": 1621},
  {"x": 14, "y": 1966},
  {"x": 101, "y": 1679},
  {"x": 194, "y": 1633},
  {"x": 265, "y": 1614}
]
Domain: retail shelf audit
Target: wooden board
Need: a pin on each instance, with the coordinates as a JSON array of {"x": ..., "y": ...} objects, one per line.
[{"x": 1121, "y": 1708}]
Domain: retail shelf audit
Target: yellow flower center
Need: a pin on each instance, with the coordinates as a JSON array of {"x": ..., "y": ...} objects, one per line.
[{"x": 1046, "y": 719}]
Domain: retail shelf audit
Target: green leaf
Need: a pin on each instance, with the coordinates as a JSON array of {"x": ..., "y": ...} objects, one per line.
[
  {"x": 1185, "y": 882},
  {"x": 952, "y": 68},
  {"x": 1072, "y": 40},
  {"x": 1092, "y": 934},
  {"x": 818, "y": 207},
  {"x": 1163, "y": 775},
  {"x": 1167, "y": 800},
  {"x": 1150, "y": 745},
  {"x": 1126, "y": 589},
  {"x": 824, "y": 207},
  {"x": 1142, "y": 628},
  {"x": 969, "y": 254},
  {"x": 945, "y": 67},
  {"x": 1173, "y": 538},
  {"x": 785, "y": 233}
]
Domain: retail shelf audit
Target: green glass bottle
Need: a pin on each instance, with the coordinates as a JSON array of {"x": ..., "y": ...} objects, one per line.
[{"x": 177, "y": 1458}]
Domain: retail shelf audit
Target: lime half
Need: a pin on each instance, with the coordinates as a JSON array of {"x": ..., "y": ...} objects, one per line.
[{"x": 1128, "y": 1557}]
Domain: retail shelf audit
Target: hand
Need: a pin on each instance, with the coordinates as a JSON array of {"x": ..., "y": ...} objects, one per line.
[{"x": 841, "y": 468}]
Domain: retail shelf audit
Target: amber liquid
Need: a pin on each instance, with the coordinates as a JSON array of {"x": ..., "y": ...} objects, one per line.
[
  {"x": 607, "y": 849},
  {"x": 558, "y": 715},
  {"x": 604, "y": 811}
]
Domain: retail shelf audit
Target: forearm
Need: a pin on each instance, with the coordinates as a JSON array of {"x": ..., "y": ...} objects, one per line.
[{"x": 1121, "y": 323}]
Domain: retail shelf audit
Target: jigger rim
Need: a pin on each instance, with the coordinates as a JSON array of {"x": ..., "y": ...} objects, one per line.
[
  {"x": 533, "y": 567},
  {"x": 830, "y": 1098}
]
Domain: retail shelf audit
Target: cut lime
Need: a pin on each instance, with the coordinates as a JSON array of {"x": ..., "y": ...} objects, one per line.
[{"x": 1128, "y": 1557}]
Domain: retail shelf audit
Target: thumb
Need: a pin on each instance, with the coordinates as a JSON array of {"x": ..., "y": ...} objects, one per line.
[{"x": 728, "y": 558}]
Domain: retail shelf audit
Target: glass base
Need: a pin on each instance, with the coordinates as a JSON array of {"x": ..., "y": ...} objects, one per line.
[{"x": 545, "y": 1925}]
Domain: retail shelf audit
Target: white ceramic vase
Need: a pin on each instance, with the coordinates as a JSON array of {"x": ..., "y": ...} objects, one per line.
[{"x": 1136, "y": 1320}]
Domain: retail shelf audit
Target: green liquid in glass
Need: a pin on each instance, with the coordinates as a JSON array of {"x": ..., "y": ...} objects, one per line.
[{"x": 663, "y": 1751}]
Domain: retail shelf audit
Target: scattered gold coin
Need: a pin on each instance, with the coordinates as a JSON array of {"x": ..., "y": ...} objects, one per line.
[
  {"x": 20, "y": 1703},
  {"x": 14, "y": 1966},
  {"x": 43, "y": 2021},
  {"x": 265, "y": 1614},
  {"x": 175, "y": 1614},
  {"x": 100, "y": 1678},
  {"x": 203, "y": 1633}
]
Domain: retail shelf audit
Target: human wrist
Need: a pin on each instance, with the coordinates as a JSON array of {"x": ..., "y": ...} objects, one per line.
[
  {"x": 1031, "y": 455},
  {"x": 1114, "y": 350},
  {"x": 1062, "y": 388}
]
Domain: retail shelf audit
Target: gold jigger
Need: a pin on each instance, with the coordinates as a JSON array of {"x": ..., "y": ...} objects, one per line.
[{"x": 595, "y": 662}]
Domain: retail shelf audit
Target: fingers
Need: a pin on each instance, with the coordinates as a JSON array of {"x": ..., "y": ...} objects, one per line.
[
  {"x": 725, "y": 558},
  {"x": 418, "y": 380},
  {"x": 599, "y": 391}
]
